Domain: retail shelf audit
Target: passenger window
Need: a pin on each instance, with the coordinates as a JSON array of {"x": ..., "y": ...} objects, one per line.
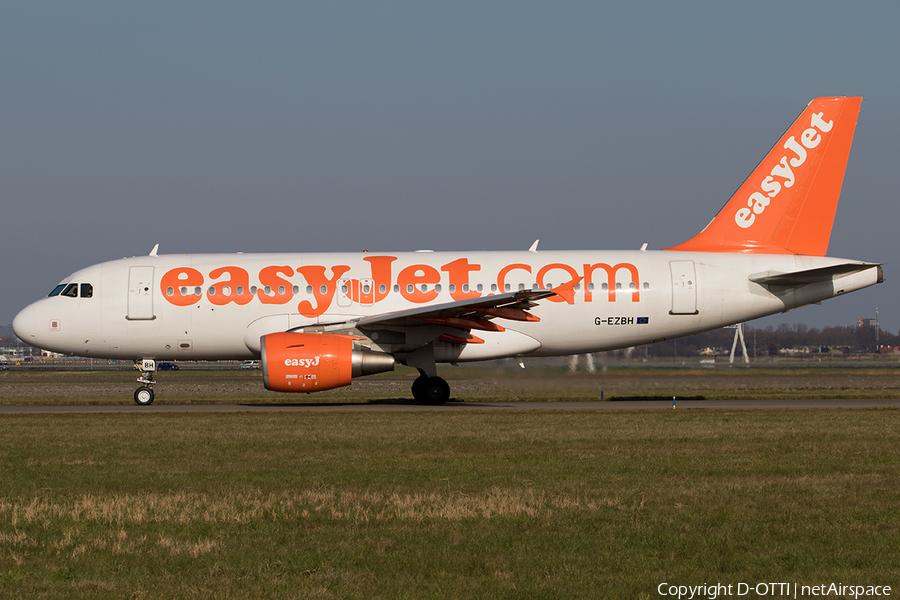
[
  {"x": 71, "y": 290},
  {"x": 56, "y": 291}
]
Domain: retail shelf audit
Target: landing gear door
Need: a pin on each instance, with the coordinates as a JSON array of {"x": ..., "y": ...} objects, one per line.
[
  {"x": 140, "y": 294},
  {"x": 684, "y": 287}
]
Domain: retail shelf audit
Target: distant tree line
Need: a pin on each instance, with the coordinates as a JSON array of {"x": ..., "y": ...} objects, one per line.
[
  {"x": 776, "y": 341},
  {"x": 9, "y": 342}
]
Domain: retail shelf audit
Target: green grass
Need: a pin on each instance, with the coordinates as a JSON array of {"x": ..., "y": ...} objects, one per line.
[{"x": 444, "y": 505}]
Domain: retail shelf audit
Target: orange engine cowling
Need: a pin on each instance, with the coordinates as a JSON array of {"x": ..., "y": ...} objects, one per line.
[{"x": 312, "y": 362}]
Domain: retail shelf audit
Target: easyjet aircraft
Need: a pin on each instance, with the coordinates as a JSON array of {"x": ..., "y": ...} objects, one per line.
[{"x": 316, "y": 321}]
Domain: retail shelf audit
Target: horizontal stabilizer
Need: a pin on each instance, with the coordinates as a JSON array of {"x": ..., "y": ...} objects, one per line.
[{"x": 812, "y": 275}]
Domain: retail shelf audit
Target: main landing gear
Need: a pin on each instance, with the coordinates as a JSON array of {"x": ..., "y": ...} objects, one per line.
[
  {"x": 144, "y": 394},
  {"x": 430, "y": 390}
]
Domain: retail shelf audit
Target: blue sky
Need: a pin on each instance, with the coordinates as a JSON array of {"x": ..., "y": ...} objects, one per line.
[{"x": 222, "y": 127}]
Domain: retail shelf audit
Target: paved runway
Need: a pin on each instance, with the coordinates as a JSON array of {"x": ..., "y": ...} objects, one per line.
[{"x": 401, "y": 406}]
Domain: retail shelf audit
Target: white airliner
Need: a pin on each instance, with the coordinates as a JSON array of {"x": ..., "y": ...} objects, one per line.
[{"x": 315, "y": 321}]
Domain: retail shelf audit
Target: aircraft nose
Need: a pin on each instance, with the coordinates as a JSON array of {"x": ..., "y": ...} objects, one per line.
[{"x": 24, "y": 325}]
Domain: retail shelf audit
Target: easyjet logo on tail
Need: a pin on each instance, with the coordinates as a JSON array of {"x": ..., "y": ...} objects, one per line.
[{"x": 782, "y": 174}]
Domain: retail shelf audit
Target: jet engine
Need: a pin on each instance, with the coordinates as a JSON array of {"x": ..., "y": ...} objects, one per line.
[{"x": 312, "y": 362}]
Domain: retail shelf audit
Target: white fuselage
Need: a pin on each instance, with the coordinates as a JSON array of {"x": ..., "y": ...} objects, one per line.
[{"x": 217, "y": 306}]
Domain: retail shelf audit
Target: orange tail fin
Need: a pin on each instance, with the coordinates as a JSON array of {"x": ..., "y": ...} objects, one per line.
[{"x": 787, "y": 205}]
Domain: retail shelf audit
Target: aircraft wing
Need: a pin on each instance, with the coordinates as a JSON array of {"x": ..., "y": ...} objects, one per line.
[
  {"x": 455, "y": 321},
  {"x": 406, "y": 330},
  {"x": 511, "y": 305}
]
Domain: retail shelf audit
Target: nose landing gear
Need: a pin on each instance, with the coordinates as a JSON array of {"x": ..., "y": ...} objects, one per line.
[{"x": 144, "y": 394}]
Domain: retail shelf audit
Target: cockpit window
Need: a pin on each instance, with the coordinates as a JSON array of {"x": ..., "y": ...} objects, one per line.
[
  {"x": 87, "y": 290},
  {"x": 56, "y": 290},
  {"x": 71, "y": 290}
]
